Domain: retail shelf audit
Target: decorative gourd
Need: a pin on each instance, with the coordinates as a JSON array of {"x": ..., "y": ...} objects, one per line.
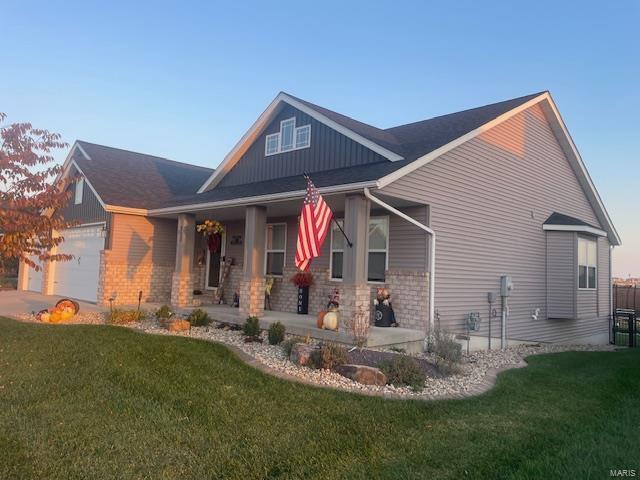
[
  {"x": 45, "y": 317},
  {"x": 320, "y": 318},
  {"x": 330, "y": 320},
  {"x": 66, "y": 314},
  {"x": 56, "y": 316}
]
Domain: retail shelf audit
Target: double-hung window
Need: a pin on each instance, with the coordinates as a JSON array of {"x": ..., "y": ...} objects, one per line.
[
  {"x": 378, "y": 248},
  {"x": 276, "y": 248},
  {"x": 337, "y": 250},
  {"x": 377, "y": 255},
  {"x": 587, "y": 263}
]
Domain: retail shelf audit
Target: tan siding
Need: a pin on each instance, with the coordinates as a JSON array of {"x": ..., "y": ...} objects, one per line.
[
  {"x": 140, "y": 240},
  {"x": 488, "y": 199},
  {"x": 561, "y": 277}
]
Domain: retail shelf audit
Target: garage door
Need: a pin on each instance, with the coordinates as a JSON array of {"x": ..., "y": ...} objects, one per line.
[
  {"x": 34, "y": 279},
  {"x": 78, "y": 278}
]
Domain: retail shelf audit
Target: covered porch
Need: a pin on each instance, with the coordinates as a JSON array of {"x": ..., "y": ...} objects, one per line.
[{"x": 257, "y": 249}]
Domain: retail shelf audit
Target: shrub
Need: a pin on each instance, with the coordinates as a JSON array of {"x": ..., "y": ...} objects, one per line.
[
  {"x": 199, "y": 318},
  {"x": 288, "y": 344},
  {"x": 119, "y": 316},
  {"x": 276, "y": 333},
  {"x": 448, "y": 352},
  {"x": 328, "y": 356},
  {"x": 164, "y": 312},
  {"x": 251, "y": 327},
  {"x": 404, "y": 370},
  {"x": 333, "y": 355}
]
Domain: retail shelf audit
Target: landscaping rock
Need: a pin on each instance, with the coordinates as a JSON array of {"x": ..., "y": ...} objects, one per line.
[
  {"x": 301, "y": 353},
  {"x": 178, "y": 326},
  {"x": 362, "y": 374}
]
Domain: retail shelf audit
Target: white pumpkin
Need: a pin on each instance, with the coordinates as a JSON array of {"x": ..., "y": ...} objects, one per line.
[{"x": 330, "y": 321}]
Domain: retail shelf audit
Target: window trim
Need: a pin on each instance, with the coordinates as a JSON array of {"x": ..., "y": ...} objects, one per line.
[
  {"x": 378, "y": 250},
  {"x": 267, "y": 250},
  {"x": 594, "y": 241},
  {"x": 278, "y": 135},
  {"x": 369, "y": 250},
  {"x": 79, "y": 191}
]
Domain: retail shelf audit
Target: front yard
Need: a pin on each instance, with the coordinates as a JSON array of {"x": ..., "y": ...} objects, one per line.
[{"x": 107, "y": 402}]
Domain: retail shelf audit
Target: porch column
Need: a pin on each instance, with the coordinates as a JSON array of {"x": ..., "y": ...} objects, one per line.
[
  {"x": 182, "y": 280},
  {"x": 253, "y": 282},
  {"x": 356, "y": 293}
]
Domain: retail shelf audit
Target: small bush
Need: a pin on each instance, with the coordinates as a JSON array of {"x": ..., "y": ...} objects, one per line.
[
  {"x": 444, "y": 345},
  {"x": 328, "y": 356},
  {"x": 164, "y": 312},
  {"x": 404, "y": 370},
  {"x": 199, "y": 318},
  {"x": 119, "y": 316},
  {"x": 251, "y": 327},
  {"x": 276, "y": 333},
  {"x": 288, "y": 344}
]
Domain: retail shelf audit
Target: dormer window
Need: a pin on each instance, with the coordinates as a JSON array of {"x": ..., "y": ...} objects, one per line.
[{"x": 288, "y": 138}]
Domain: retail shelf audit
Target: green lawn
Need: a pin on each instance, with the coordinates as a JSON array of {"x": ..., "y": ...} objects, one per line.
[{"x": 107, "y": 402}]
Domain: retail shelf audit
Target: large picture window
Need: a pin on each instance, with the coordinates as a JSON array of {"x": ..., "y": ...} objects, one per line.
[
  {"x": 377, "y": 255},
  {"x": 587, "y": 263},
  {"x": 276, "y": 248}
]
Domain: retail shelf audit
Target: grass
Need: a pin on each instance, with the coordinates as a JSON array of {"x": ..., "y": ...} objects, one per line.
[{"x": 107, "y": 402}]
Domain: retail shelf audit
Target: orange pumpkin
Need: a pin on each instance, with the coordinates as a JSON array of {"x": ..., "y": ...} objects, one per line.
[{"x": 320, "y": 318}]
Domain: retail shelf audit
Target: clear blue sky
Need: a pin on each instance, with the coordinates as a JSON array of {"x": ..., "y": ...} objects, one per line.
[{"x": 184, "y": 80}]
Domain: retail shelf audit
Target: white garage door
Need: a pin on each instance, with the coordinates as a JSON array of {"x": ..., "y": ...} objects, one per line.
[
  {"x": 34, "y": 279},
  {"x": 78, "y": 278}
]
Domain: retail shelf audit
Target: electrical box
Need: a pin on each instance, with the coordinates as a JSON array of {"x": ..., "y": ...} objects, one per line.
[
  {"x": 491, "y": 297},
  {"x": 506, "y": 285}
]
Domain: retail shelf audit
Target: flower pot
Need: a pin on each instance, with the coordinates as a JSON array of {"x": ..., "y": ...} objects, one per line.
[{"x": 303, "y": 300}]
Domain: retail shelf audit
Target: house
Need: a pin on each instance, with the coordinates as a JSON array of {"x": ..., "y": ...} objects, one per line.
[{"x": 437, "y": 211}]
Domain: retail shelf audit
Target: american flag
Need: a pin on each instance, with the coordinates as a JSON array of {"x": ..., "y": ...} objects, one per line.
[{"x": 315, "y": 218}]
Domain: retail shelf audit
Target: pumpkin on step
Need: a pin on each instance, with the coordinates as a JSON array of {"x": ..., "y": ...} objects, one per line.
[
  {"x": 320, "y": 318},
  {"x": 330, "y": 320}
]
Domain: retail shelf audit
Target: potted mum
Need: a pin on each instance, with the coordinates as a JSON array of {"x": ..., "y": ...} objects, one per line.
[{"x": 302, "y": 280}]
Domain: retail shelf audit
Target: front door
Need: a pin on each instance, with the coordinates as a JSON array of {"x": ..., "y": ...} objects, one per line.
[{"x": 214, "y": 262}]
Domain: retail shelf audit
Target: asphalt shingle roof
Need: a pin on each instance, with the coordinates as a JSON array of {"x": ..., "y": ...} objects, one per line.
[
  {"x": 560, "y": 219},
  {"x": 136, "y": 180}
]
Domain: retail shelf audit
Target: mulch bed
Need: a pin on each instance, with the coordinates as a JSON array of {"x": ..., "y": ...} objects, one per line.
[{"x": 373, "y": 358}]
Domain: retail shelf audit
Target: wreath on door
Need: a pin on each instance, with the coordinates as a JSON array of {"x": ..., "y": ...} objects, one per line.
[{"x": 212, "y": 230}]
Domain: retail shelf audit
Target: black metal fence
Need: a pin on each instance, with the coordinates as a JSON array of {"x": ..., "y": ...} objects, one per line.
[{"x": 625, "y": 328}]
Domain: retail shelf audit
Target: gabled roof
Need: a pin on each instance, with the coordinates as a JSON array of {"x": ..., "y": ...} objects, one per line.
[
  {"x": 402, "y": 143},
  {"x": 121, "y": 178}
]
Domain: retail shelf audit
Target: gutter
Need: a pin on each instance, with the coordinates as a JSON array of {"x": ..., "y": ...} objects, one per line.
[{"x": 432, "y": 252}]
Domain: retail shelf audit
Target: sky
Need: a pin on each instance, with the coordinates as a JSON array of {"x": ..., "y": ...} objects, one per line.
[{"x": 185, "y": 80}]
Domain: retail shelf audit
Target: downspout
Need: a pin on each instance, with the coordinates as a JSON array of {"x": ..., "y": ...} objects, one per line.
[{"x": 432, "y": 252}]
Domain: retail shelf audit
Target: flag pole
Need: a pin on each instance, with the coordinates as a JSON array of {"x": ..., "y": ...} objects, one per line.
[{"x": 306, "y": 177}]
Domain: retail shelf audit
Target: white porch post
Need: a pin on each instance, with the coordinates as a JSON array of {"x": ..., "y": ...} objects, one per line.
[
  {"x": 253, "y": 282},
  {"x": 356, "y": 293},
  {"x": 182, "y": 280}
]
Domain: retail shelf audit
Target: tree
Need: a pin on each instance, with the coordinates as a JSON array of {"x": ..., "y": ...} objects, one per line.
[{"x": 31, "y": 195}]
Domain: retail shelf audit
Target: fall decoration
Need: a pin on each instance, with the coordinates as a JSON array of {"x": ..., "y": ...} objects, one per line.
[
  {"x": 210, "y": 227},
  {"x": 302, "y": 279}
]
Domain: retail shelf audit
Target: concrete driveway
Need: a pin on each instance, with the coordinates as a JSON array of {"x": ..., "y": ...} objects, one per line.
[{"x": 13, "y": 302}]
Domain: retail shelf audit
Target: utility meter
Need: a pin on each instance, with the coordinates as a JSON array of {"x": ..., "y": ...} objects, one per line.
[{"x": 506, "y": 285}]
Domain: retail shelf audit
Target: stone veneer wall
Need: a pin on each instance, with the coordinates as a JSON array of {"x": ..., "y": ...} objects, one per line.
[
  {"x": 123, "y": 281},
  {"x": 409, "y": 295}
]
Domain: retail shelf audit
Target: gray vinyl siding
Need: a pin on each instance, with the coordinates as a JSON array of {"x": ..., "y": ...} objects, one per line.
[
  {"x": 561, "y": 275},
  {"x": 407, "y": 243},
  {"x": 487, "y": 201},
  {"x": 89, "y": 211},
  {"x": 328, "y": 150},
  {"x": 235, "y": 251},
  {"x": 604, "y": 279}
]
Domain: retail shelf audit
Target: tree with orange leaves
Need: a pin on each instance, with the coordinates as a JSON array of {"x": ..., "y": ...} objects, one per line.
[{"x": 31, "y": 198}]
